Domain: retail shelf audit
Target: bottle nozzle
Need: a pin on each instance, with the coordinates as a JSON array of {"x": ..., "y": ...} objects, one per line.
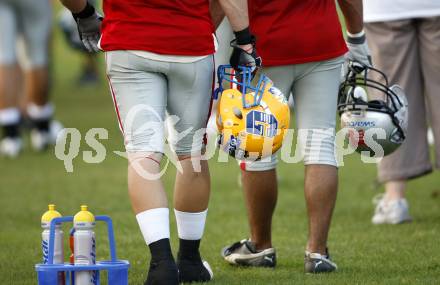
[
  {"x": 50, "y": 214},
  {"x": 84, "y": 215}
]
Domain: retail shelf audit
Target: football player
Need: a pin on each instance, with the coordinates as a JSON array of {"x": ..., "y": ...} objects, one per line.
[
  {"x": 303, "y": 49},
  {"x": 159, "y": 60},
  {"x": 405, "y": 44},
  {"x": 30, "y": 21}
]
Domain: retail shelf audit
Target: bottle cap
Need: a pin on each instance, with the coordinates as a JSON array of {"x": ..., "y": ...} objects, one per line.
[
  {"x": 84, "y": 216},
  {"x": 50, "y": 214}
]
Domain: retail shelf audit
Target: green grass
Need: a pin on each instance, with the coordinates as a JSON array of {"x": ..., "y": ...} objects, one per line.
[{"x": 366, "y": 254}]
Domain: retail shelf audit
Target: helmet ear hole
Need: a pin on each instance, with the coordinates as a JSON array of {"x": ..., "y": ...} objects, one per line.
[{"x": 237, "y": 113}]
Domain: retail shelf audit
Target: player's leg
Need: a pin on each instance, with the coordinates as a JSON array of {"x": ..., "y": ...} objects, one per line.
[
  {"x": 139, "y": 91},
  {"x": 89, "y": 73},
  {"x": 429, "y": 39},
  {"x": 395, "y": 51},
  {"x": 259, "y": 180},
  {"x": 10, "y": 142},
  {"x": 36, "y": 22},
  {"x": 189, "y": 101},
  {"x": 261, "y": 192},
  {"x": 315, "y": 97},
  {"x": 320, "y": 201}
]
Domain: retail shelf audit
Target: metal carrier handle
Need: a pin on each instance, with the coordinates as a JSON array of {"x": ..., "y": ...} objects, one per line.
[{"x": 111, "y": 236}]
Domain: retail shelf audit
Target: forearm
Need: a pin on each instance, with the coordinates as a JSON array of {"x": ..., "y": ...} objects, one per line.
[
  {"x": 217, "y": 14},
  {"x": 75, "y": 6},
  {"x": 353, "y": 15},
  {"x": 237, "y": 13}
]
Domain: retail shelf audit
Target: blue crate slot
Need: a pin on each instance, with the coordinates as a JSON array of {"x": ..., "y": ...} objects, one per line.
[{"x": 117, "y": 270}]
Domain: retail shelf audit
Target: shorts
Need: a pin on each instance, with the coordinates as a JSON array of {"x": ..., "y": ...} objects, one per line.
[
  {"x": 314, "y": 87},
  {"x": 146, "y": 92},
  {"x": 30, "y": 20}
]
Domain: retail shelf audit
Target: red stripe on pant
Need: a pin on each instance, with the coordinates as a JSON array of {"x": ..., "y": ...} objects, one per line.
[
  {"x": 114, "y": 100},
  {"x": 243, "y": 165}
]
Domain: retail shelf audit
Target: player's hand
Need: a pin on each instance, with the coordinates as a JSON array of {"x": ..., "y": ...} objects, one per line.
[
  {"x": 358, "y": 48},
  {"x": 89, "y": 27},
  {"x": 244, "y": 52}
]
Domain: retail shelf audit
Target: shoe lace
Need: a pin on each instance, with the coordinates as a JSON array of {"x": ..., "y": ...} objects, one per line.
[{"x": 234, "y": 246}]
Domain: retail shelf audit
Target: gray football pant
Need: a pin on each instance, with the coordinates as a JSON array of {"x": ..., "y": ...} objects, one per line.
[
  {"x": 145, "y": 91},
  {"x": 314, "y": 87}
]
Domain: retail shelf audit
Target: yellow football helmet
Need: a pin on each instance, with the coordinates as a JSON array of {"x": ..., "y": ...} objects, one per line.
[{"x": 252, "y": 114}]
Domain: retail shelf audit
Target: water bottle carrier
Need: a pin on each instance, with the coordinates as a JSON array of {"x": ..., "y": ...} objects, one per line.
[{"x": 117, "y": 270}]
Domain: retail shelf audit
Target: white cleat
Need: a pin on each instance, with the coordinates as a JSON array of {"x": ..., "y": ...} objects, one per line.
[
  {"x": 391, "y": 212},
  {"x": 41, "y": 140},
  {"x": 11, "y": 147}
]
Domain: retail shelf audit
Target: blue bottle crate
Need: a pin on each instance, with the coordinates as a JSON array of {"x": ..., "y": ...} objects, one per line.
[{"x": 117, "y": 270}]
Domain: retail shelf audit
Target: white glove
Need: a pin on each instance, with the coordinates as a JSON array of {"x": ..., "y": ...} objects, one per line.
[
  {"x": 358, "y": 48},
  {"x": 89, "y": 27}
]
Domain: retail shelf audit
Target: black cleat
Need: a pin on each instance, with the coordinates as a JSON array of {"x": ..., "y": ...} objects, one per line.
[
  {"x": 162, "y": 272},
  {"x": 244, "y": 253},
  {"x": 190, "y": 264},
  {"x": 318, "y": 263},
  {"x": 194, "y": 271}
]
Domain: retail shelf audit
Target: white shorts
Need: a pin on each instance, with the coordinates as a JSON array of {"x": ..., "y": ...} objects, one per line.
[
  {"x": 145, "y": 91},
  {"x": 314, "y": 87},
  {"x": 30, "y": 20}
]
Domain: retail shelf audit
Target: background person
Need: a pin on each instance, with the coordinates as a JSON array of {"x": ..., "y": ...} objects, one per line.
[
  {"x": 404, "y": 37},
  {"x": 89, "y": 73},
  {"x": 30, "y": 21}
]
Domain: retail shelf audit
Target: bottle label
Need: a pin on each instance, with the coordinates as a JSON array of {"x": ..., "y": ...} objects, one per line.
[
  {"x": 45, "y": 248},
  {"x": 94, "y": 279}
]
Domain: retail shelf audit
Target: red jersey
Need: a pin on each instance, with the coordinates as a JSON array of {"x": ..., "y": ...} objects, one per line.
[
  {"x": 296, "y": 31},
  {"x": 169, "y": 27}
]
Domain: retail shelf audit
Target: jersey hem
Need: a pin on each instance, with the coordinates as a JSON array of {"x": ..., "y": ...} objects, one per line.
[
  {"x": 107, "y": 47},
  {"x": 269, "y": 62}
]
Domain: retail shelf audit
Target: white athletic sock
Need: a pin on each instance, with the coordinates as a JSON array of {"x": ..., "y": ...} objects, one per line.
[
  {"x": 9, "y": 116},
  {"x": 154, "y": 224},
  {"x": 36, "y": 112},
  {"x": 190, "y": 226}
]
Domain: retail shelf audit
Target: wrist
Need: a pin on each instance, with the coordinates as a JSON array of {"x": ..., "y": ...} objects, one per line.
[
  {"x": 88, "y": 11},
  {"x": 243, "y": 37},
  {"x": 356, "y": 35},
  {"x": 356, "y": 38}
]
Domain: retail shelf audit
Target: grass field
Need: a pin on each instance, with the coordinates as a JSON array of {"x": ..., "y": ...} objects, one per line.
[{"x": 366, "y": 254}]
